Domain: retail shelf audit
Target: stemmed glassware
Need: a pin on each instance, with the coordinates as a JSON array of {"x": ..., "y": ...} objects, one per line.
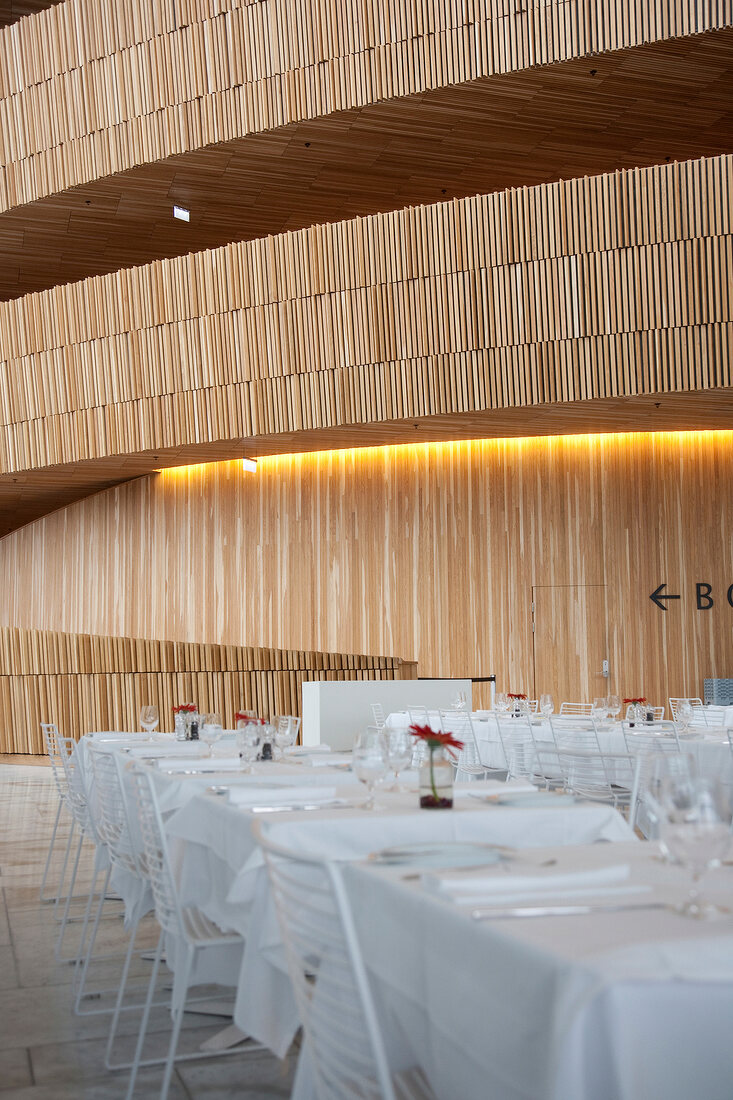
[
  {"x": 210, "y": 730},
  {"x": 547, "y": 705},
  {"x": 684, "y": 716},
  {"x": 149, "y": 718},
  {"x": 614, "y": 707},
  {"x": 284, "y": 733},
  {"x": 249, "y": 740},
  {"x": 501, "y": 702},
  {"x": 369, "y": 761},
  {"x": 398, "y": 745},
  {"x": 599, "y": 710},
  {"x": 459, "y": 700},
  {"x": 696, "y": 831}
]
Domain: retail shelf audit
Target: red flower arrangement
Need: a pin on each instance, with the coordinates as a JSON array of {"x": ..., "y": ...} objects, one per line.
[
  {"x": 641, "y": 700},
  {"x": 515, "y": 695},
  {"x": 185, "y": 708},
  {"x": 240, "y": 716},
  {"x": 435, "y": 741}
]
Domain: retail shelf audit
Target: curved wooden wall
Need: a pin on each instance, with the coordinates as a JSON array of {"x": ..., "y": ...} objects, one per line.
[
  {"x": 84, "y": 683},
  {"x": 93, "y": 87},
  {"x": 432, "y": 551},
  {"x": 581, "y": 290}
]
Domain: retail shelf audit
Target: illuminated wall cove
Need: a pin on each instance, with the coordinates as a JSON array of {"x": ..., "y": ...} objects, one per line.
[{"x": 448, "y": 554}]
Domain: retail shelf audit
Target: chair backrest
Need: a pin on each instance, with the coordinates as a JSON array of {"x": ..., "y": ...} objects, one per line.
[
  {"x": 54, "y": 749},
  {"x": 418, "y": 717},
  {"x": 328, "y": 975},
  {"x": 157, "y": 859},
  {"x": 582, "y": 771},
  {"x": 577, "y": 732},
  {"x": 76, "y": 786},
  {"x": 113, "y": 820},
  {"x": 459, "y": 723},
  {"x": 517, "y": 741},
  {"x": 696, "y": 704},
  {"x": 378, "y": 714},
  {"x": 652, "y": 737},
  {"x": 576, "y": 708}
]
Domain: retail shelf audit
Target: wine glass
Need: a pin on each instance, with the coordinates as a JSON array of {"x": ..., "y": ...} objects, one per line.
[
  {"x": 599, "y": 710},
  {"x": 397, "y": 747},
  {"x": 547, "y": 705},
  {"x": 369, "y": 761},
  {"x": 459, "y": 700},
  {"x": 684, "y": 715},
  {"x": 149, "y": 718},
  {"x": 210, "y": 730},
  {"x": 696, "y": 830},
  {"x": 284, "y": 732},
  {"x": 614, "y": 707},
  {"x": 249, "y": 739},
  {"x": 501, "y": 702}
]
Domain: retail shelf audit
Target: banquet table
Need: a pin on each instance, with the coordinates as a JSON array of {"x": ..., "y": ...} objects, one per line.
[
  {"x": 613, "y": 1005},
  {"x": 222, "y": 867}
]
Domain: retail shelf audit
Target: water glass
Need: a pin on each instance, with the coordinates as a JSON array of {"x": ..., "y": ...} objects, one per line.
[
  {"x": 210, "y": 730},
  {"x": 696, "y": 831},
  {"x": 614, "y": 707},
  {"x": 369, "y": 761},
  {"x": 599, "y": 710},
  {"x": 249, "y": 740},
  {"x": 397, "y": 747},
  {"x": 501, "y": 702},
  {"x": 284, "y": 732},
  {"x": 149, "y": 718}
]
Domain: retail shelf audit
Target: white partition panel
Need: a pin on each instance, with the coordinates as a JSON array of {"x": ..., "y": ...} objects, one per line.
[{"x": 335, "y": 711}]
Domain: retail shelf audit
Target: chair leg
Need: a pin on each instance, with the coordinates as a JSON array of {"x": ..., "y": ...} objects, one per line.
[
  {"x": 87, "y": 950},
  {"x": 177, "y": 1021},
  {"x": 50, "y": 853},
  {"x": 65, "y": 918},
  {"x": 145, "y": 1017},
  {"x": 62, "y": 879},
  {"x": 119, "y": 1001}
]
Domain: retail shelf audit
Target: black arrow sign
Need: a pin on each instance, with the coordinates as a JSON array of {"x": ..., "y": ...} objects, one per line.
[{"x": 657, "y": 596}]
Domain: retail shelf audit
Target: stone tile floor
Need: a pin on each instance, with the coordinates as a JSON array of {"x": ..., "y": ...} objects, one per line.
[{"x": 47, "y": 1052}]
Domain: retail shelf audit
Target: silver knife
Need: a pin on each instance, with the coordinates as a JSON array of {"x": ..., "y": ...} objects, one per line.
[{"x": 494, "y": 913}]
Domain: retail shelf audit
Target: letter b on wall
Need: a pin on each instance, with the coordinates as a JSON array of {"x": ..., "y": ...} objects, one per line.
[{"x": 704, "y": 599}]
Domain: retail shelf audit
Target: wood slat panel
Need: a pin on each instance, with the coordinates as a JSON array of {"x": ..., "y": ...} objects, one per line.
[
  {"x": 584, "y": 290},
  {"x": 431, "y": 551},
  {"x": 83, "y": 682},
  {"x": 90, "y": 88}
]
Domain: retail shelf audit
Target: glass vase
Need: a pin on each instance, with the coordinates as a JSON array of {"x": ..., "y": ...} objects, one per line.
[{"x": 436, "y": 781}]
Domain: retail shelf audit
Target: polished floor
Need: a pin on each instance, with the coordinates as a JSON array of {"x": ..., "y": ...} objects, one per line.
[{"x": 47, "y": 1052}]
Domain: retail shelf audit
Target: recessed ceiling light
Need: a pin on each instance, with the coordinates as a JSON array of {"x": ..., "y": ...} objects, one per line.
[
  {"x": 250, "y": 464},
  {"x": 181, "y": 213}
]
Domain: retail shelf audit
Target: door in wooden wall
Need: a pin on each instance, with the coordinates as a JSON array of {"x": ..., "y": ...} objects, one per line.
[{"x": 570, "y": 641}]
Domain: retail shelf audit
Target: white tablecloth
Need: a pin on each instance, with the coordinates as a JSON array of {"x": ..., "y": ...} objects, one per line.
[
  {"x": 222, "y": 869},
  {"x": 613, "y": 1006}
]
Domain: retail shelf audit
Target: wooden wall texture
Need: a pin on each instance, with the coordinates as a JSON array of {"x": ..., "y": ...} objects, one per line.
[
  {"x": 431, "y": 551},
  {"x": 82, "y": 682},
  {"x": 93, "y": 87},
  {"x": 584, "y": 289}
]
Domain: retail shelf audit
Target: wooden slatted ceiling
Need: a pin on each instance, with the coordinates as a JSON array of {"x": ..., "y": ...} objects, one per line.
[
  {"x": 90, "y": 91},
  {"x": 668, "y": 101}
]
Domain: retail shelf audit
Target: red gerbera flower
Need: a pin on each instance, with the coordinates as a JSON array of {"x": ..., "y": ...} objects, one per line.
[
  {"x": 435, "y": 740},
  {"x": 642, "y": 700}
]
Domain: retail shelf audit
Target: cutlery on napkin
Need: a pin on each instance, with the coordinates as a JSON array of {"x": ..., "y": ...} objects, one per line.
[
  {"x": 280, "y": 796},
  {"x": 473, "y": 889}
]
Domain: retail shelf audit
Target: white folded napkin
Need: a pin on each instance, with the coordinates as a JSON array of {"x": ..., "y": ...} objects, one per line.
[
  {"x": 490, "y": 787},
  {"x": 280, "y": 796},
  {"x": 203, "y": 764},
  {"x": 180, "y": 748},
  {"x": 326, "y": 759},
  {"x": 472, "y": 888},
  {"x": 306, "y": 750}
]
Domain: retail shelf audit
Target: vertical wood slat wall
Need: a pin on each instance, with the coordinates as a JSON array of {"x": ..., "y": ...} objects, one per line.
[
  {"x": 427, "y": 550},
  {"x": 92, "y": 87},
  {"x": 591, "y": 288},
  {"x": 83, "y": 682}
]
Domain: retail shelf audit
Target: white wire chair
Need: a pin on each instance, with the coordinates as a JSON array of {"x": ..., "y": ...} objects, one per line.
[
  {"x": 53, "y": 744},
  {"x": 696, "y": 704},
  {"x": 418, "y": 717},
  {"x": 378, "y": 715},
  {"x": 330, "y": 981},
  {"x": 186, "y": 928},
  {"x": 467, "y": 764},
  {"x": 593, "y": 775},
  {"x": 646, "y": 747},
  {"x": 569, "y": 709},
  {"x": 518, "y": 745},
  {"x": 651, "y": 737}
]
